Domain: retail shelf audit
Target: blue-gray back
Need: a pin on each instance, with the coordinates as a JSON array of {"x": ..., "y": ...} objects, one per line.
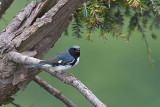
[{"x": 64, "y": 56}]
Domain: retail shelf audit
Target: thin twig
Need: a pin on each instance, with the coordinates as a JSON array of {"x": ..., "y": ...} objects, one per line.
[
  {"x": 58, "y": 94},
  {"x": 147, "y": 45},
  {"x": 16, "y": 105},
  {"x": 148, "y": 50},
  {"x": 71, "y": 80},
  {"x": 63, "y": 76}
]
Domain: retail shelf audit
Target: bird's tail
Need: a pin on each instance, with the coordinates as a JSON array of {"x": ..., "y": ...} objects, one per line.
[{"x": 34, "y": 65}]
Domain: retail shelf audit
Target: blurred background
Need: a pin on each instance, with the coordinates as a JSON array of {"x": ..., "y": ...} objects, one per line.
[{"x": 118, "y": 73}]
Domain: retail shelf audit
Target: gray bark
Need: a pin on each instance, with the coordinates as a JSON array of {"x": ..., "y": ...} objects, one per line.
[
  {"x": 36, "y": 28},
  {"x": 63, "y": 76},
  {"x": 58, "y": 94}
]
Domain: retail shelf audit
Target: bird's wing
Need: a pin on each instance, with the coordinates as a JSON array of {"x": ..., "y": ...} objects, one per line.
[
  {"x": 61, "y": 58},
  {"x": 51, "y": 59}
]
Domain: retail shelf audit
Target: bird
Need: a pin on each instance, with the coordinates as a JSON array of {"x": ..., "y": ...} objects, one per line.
[{"x": 61, "y": 61}]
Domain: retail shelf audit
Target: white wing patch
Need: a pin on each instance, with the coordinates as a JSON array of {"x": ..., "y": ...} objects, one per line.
[
  {"x": 66, "y": 67},
  {"x": 63, "y": 67},
  {"x": 47, "y": 65},
  {"x": 59, "y": 61}
]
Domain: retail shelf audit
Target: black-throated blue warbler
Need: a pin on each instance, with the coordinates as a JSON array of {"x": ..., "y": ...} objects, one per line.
[{"x": 61, "y": 61}]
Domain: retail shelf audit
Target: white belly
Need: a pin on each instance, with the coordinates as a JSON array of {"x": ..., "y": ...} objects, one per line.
[
  {"x": 77, "y": 61},
  {"x": 62, "y": 68}
]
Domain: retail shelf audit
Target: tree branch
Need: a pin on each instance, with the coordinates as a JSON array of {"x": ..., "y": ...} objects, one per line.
[
  {"x": 147, "y": 45},
  {"x": 63, "y": 76},
  {"x": 16, "y": 105},
  {"x": 71, "y": 80},
  {"x": 58, "y": 94},
  {"x": 36, "y": 28}
]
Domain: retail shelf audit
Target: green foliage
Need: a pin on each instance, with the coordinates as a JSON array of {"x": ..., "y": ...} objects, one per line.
[
  {"x": 134, "y": 3},
  {"x": 77, "y": 25},
  {"x": 108, "y": 17}
]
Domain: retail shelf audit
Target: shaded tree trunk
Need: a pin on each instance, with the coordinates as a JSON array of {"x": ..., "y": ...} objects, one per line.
[
  {"x": 4, "y": 5},
  {"x": 32, "y": 32}
]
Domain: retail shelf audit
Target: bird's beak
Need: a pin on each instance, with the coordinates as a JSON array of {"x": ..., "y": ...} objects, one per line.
[{"x": 78, "y": 50}]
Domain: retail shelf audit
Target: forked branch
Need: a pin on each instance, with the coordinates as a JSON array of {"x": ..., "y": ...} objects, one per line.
[
  {"x": 58, "y": 94},
  {"x": 63, "y": 76}
]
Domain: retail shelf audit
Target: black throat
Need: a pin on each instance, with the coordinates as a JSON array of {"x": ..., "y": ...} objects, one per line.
[{"x": 74, "y": 53}]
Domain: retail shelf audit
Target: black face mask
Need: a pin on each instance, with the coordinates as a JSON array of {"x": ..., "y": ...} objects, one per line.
[{"x": 74, "y": 52}]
